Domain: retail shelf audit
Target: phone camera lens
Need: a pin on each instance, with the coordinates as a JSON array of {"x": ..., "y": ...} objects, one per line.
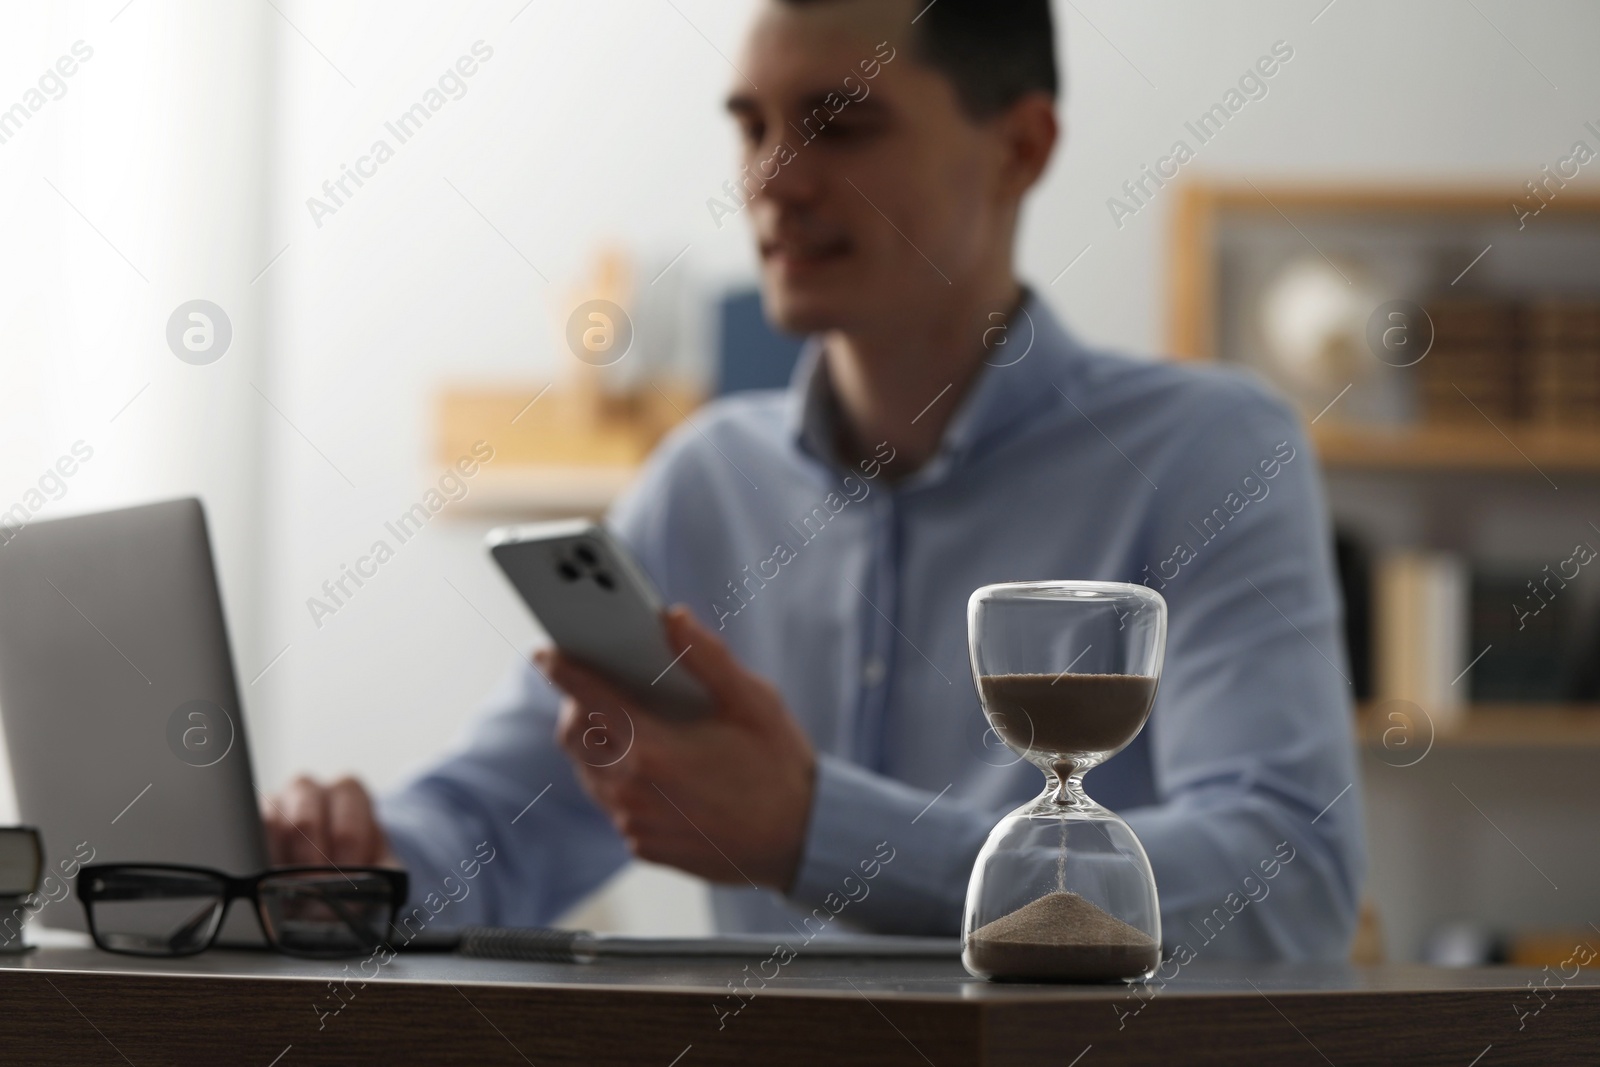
[
  {"x": 586, "y": 555},
  {"x": 567, "y": 571},
  {"x": 605, "y": 580}
]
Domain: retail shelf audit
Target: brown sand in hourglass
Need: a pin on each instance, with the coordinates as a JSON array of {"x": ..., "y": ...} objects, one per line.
[
  {"x": 1064, "y": 714},
  {"x": 1061, "y": 936}
]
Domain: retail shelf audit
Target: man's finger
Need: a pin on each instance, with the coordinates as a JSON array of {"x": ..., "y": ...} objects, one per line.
[
  {"x": 569, "y": 723},
  {"x": 707, "y": 658},
  {"x": 277, "y": 829},
  {"x": 591, "y": 689},
  {"x": 304, "y": 806},
  {"x": 353, "y": 834},
  {"x": 599, "y": 739}
]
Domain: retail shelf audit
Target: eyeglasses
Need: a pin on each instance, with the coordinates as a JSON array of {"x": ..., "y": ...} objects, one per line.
[{"x": 158, "y": 909}]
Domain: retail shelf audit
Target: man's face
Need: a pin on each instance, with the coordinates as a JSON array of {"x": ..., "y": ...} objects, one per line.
[{"x": 881, "y": 195}]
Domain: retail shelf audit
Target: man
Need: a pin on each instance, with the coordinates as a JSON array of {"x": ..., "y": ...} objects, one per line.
[{"x": 942, "y": 432}]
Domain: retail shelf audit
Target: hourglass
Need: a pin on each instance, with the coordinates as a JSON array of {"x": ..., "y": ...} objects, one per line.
[{"x": 1062, "y": 890}]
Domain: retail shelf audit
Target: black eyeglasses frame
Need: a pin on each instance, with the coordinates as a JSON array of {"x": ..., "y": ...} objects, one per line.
[{"x": 237, "y": 888}]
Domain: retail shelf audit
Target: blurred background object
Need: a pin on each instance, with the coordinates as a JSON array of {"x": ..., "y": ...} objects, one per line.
[
  {"x": 1418, "y": 153},
  {"x": 569, "y": 445},
  {"x": 1314, "y": 325},
  {"x": 21, "y": 864},
  {"x": 750, "y": 353},
  {"x": 598, "y": 424},
  {"x": 1461, "y": 944}
]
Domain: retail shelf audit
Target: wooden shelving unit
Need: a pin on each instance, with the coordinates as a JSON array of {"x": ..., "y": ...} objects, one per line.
[
  {"x": 1194, "y": 288},
  {"x": 560, "y": 451},
  {"x": 1519, "y": 448},
  {"x": 1503, "y": 726},
  {"x": 1192, "y": 282}
]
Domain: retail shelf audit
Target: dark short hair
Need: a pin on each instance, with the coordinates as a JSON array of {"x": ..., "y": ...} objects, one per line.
[{"x": 993, "y": 51}]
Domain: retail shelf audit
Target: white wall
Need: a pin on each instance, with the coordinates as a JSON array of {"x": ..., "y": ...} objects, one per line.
[
  {"x": 140, "y": 188},
  {"x": 591, "y": 122}
]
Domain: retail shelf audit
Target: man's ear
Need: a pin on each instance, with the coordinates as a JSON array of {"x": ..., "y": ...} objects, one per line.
[{"x": 1029, "y": 130}]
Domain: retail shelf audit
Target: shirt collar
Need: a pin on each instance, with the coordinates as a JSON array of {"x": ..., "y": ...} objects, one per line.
[{"x": 1030, "y": 355}]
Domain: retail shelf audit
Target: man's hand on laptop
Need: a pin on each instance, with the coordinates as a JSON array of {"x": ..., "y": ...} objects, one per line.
[
  {"x": 311, "y": 824},
  {"x": 726, "y": 797}
]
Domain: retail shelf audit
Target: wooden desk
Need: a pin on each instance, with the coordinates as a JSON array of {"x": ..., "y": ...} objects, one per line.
[{"x": 80, "y": 1006}]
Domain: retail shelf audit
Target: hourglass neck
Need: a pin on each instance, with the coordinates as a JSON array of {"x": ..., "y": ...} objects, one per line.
[{"x": 1063, "y": 792}]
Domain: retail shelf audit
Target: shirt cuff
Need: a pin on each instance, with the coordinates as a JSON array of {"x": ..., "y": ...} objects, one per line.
[
  {"x": 427, "y": 842},
  {"x": 886, "y": 856}
]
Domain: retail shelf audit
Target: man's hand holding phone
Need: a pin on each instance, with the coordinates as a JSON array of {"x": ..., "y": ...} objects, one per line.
[{"x": 726, "y": 796}]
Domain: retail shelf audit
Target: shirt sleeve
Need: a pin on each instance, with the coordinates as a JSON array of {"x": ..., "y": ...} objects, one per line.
[
  {"x": 1257, "y": 841},
  {"x": 911, "y": 849},
  {"x": 507, "y": 810}
]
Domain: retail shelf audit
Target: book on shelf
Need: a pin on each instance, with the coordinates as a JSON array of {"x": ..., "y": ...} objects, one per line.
[
  {"x": 1533, "y": 361},
  {"x": 1446, "y": 633},
  {"x": 1530, "y": 640},
  {"x": 1473, "y": 358},
  {"x": 1354, "y": 563},
  {"x": 1420, "y": 632},
  {"x": 1562, "y": 365}
]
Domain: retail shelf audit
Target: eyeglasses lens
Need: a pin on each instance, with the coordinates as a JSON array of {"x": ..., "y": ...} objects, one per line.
[
  {"x": 153, "y": 912},
  {"x": 316, "y": 913}
]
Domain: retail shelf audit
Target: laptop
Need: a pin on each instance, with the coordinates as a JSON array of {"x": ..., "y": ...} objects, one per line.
[{"x": 121, "y": 709}]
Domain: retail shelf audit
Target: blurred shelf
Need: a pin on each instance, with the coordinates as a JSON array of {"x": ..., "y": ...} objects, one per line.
[
  {"x": 1556, "y": 949},
  {"x": 1204, "y": 210},
  {"x": 1503, "y": 726},
  {"x": 527, "y": 491},
  {"x": 557, "y": 425},
  {"x": 561, "y": 449},
  {"x": 1459, "y": 447}
]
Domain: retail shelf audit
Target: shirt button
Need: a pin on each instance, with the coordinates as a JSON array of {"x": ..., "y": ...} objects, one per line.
[{"x": 872, "y": 673}]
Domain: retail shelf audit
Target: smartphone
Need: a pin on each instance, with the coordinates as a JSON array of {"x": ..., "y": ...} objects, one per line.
[{"x": 598, "y": 606}]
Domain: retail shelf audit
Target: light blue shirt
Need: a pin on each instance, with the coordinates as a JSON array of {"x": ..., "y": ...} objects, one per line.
[{"x": 849, "y": 593}]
